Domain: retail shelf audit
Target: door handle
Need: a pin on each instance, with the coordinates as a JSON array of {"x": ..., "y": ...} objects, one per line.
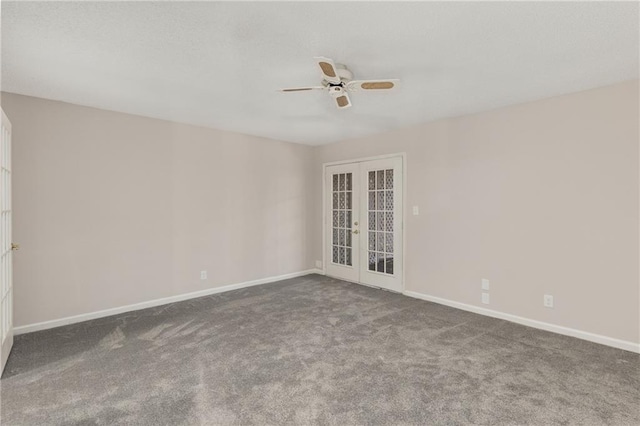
[
  {"x": 15, "y": 246},
  {"x": 356, "y": 232}
]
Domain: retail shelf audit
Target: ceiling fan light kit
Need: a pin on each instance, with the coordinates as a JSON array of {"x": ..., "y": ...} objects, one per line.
[{"x": 338, "y": 81}]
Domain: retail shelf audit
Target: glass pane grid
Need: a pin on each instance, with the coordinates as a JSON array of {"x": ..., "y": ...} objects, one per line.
[
  {"x": 342, "y": 203},
  {"x": 381, "y": 221}
]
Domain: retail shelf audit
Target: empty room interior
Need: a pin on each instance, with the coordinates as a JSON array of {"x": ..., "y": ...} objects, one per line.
[{"x": 320, "y": 213}]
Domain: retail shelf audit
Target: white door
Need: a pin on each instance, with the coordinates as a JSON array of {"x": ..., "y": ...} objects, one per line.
[
  {"x": 6, "y": 247},
  {"x": 342, "y": 187},
  {"x": 381, "y": 215},
  {"x": 364, "y": 226}
]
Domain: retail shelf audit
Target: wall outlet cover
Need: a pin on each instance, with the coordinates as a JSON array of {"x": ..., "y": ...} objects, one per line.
[
  {"x": 548, "y": 301},
  {"x": 485, "y": 298},
  {"x": 416, "y": 210},
  {"x": 485, "y": 284},
  {"x": 203, "y": 275}
]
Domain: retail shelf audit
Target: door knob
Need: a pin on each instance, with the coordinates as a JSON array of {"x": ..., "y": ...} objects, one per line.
[
  {"x": 15, "y": 246},
  {"x": 355, "y": 223}
]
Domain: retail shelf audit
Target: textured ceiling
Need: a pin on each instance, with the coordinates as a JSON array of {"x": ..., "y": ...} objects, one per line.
[{"x": 219, "y": 64}]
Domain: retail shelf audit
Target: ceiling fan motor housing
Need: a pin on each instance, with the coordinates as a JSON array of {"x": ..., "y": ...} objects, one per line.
[{"x": 343, "y": 72}]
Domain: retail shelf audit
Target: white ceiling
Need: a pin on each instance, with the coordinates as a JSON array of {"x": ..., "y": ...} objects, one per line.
[{"x": 219, "y": 64}]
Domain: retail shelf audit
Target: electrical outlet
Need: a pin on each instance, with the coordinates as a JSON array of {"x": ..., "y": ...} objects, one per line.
[
  {"x": 203, "y": 275},
  {"x": 416, "y": 211},
  {"x": 485, "y": 284},
  {"x": 548, "y": 301},
  {"x": 319, "y": 264},
  {"x": 485, "y": 298}
]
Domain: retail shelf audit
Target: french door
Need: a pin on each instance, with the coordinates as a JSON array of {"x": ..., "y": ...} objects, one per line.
[
  {"x": 363, "y": 228},
  {"x": 6, "y": 247}
]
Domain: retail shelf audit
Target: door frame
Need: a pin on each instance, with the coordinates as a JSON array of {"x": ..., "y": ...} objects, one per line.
[
  {"x": 403, "y": 156},
  {"x": 6, "y": 342}
]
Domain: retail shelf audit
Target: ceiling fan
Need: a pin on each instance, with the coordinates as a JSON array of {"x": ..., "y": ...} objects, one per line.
[{"x": 338, "y": 81}]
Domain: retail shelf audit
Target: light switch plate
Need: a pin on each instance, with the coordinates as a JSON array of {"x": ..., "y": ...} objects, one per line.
[{"x": 416, "y": 211}]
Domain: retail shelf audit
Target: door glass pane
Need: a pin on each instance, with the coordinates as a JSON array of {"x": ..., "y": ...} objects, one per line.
[
  {"x": 380, "y": 180},
  {"x": 389, "y": 242},
  {"x": 388, "y": 221},
  {"x": 389, "y": 179},
  {"x": 372, "y": 261},
  {"x": 388, "y": 202},
  {"x": 372, "y": 181},
  {"x": 389, "y": 265},
  {"x": 380, "y": 263}
]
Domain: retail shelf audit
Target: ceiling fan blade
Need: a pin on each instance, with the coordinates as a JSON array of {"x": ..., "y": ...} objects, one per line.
[
  {"x": 372, "y": 84},
  {"x": 328, "y": 69},
  {"x": 343, "y": 101},
  {"x": 302, "y": 89}
]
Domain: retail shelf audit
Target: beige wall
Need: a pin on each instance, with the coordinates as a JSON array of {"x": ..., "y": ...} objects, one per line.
[
  {"x": 538, "y": 198},
  {"x": 112, "y": 209}
]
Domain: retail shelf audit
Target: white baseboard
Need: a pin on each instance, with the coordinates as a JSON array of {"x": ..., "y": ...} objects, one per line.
[
  {"x": 157, "y": 302},
  {"x": 596, "y": 338}
]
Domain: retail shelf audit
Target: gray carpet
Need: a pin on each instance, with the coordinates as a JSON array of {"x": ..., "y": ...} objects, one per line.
[{"x": 313, "y": 350}]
